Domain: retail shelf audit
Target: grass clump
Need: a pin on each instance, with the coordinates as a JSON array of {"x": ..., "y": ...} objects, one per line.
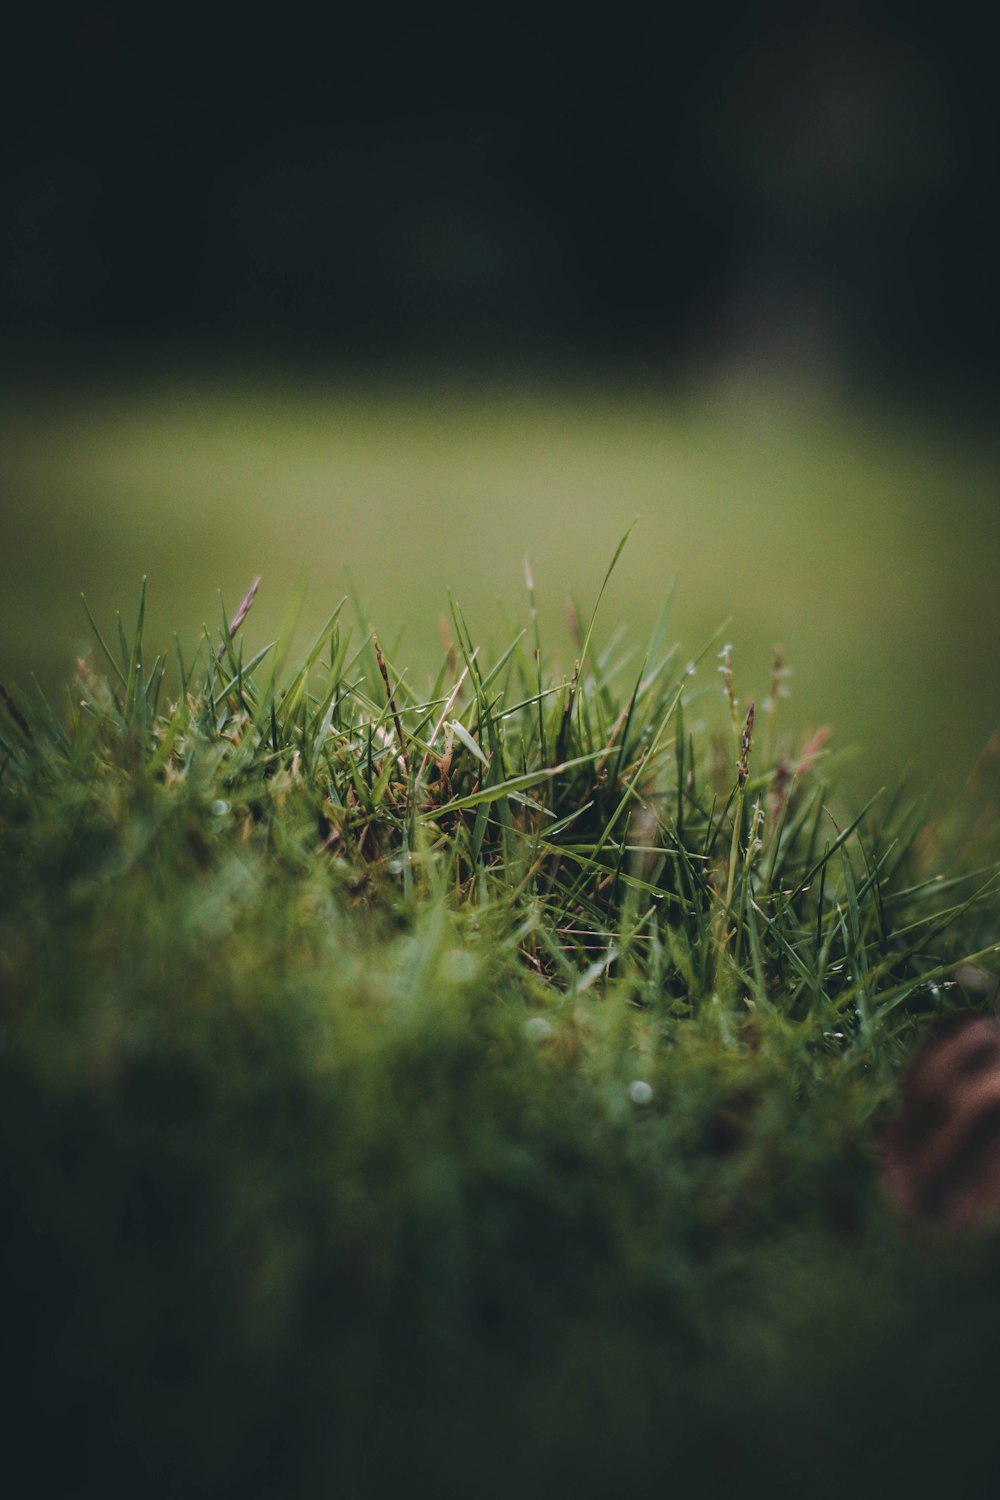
[{"x": 457, "y": 1089}]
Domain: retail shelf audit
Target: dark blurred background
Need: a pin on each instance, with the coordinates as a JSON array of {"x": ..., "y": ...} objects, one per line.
[
  {"x": 418, "y": 290},
  {"x": 357, "y": 181}
]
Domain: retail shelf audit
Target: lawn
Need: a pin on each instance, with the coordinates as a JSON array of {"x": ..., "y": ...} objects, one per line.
[
  {"x": 480, "y": 1086},
  {"x": 476, "y": 1058},
  {"x": 862, "y": 537}
]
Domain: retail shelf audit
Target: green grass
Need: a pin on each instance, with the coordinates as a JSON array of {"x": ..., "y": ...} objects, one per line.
[
  {"x": 470, "y": 1085},
  {"x": 863, "y": 535}
]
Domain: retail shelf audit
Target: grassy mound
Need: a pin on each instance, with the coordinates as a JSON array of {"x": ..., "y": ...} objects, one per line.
[{"x": 470, "y": 1090}]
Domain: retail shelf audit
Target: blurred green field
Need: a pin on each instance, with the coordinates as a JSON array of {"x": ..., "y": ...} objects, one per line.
[{"x": 864, "y": 538}]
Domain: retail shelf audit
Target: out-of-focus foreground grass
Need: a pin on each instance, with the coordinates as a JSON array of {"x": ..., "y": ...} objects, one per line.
[{"x": 863, "y": 538}]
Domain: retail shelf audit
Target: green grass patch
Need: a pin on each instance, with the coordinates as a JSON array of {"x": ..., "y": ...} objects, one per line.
[
  {"x": 862, "y": 533},
  {"x": 471, "y": 1085}
]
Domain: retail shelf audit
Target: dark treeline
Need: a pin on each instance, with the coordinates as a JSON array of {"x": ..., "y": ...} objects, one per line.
[{"x": 355, "y": 180}]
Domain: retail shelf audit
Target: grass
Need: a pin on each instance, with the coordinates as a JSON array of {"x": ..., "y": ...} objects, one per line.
[
  {"x": 863, "y": 535},
  {"x": 471, "y": 1085}
]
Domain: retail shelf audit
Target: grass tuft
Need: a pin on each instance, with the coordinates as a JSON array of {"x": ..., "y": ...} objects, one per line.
[{"x": 471, "y": 1084}]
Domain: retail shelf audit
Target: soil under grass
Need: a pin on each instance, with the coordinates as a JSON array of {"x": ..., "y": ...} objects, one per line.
[{"x": 472, "y": 1088}]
